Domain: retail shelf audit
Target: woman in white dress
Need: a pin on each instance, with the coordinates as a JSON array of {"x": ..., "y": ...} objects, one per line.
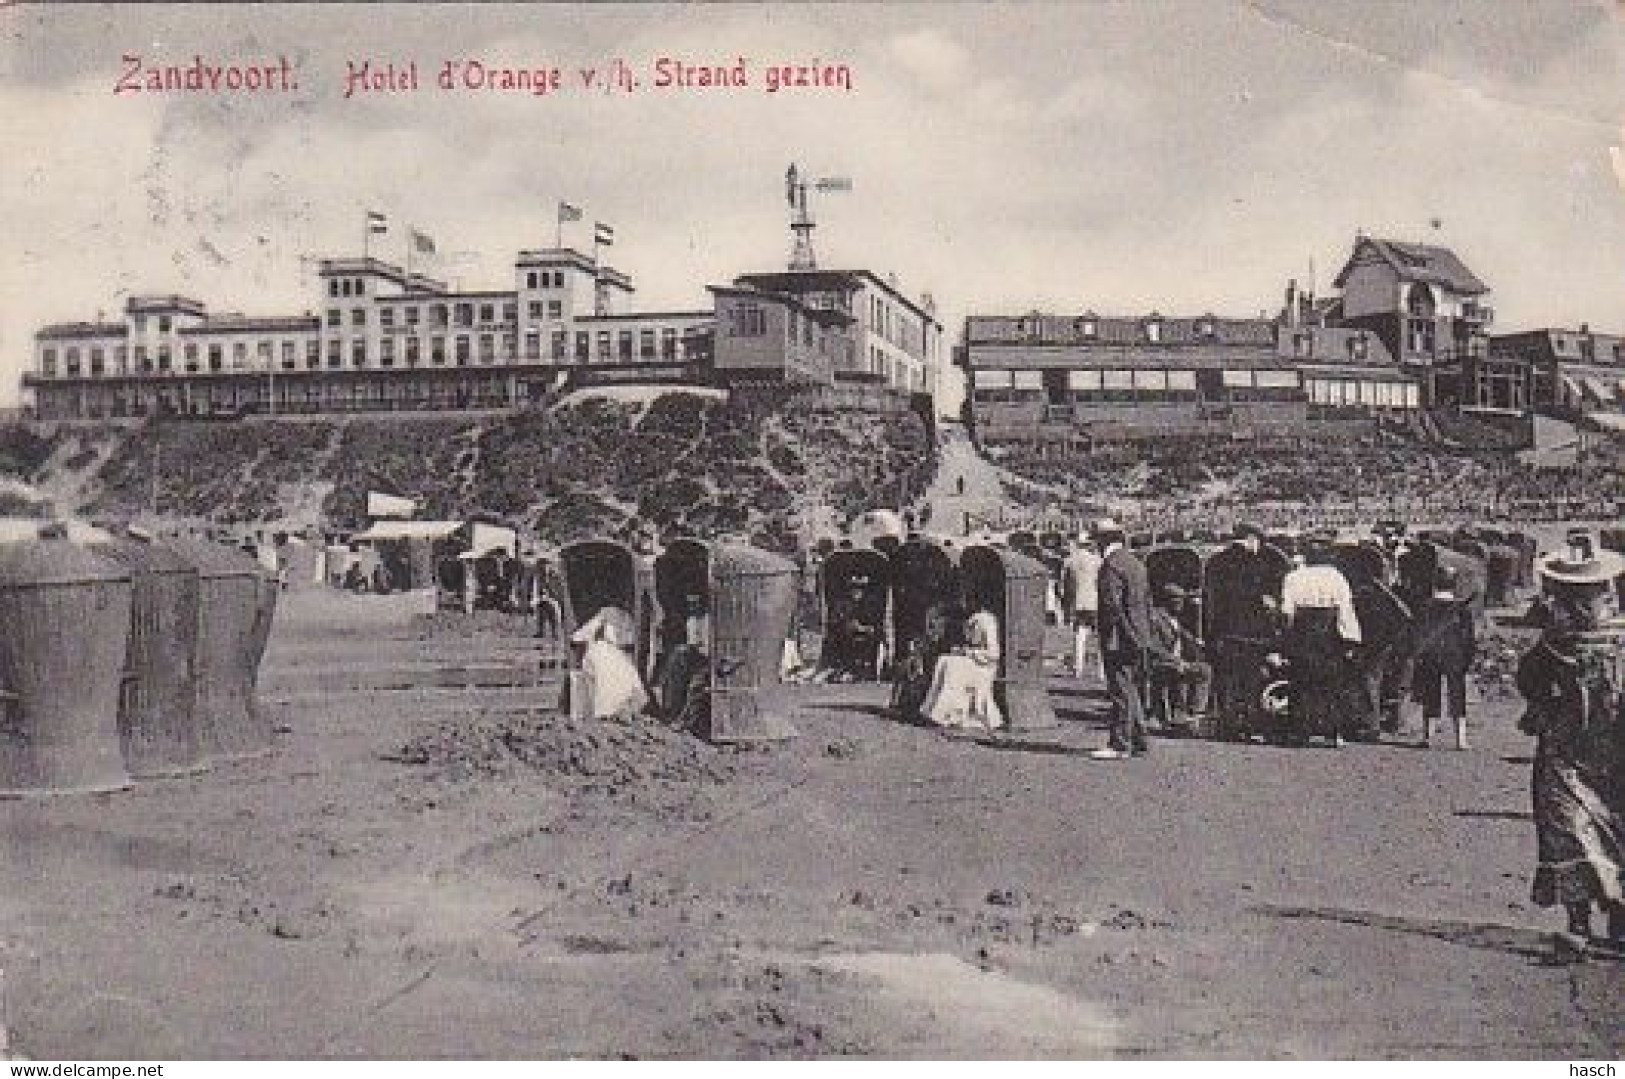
[
  {"x": 610, "y": 681},
  {"x": 961, "y": 693}
]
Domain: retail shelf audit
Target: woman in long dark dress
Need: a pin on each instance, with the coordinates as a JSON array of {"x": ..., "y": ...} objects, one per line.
[{"x": 1572, "y": 680}]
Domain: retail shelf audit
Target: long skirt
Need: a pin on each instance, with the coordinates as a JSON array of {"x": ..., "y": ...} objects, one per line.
[
  {"x": 1320, "y": 675},
  {"x": 1580, "y": 837},
  {"x": 915, "y": 667},
  {"x": 611, "y": 682},
  {"x": 961, "y": 695}
]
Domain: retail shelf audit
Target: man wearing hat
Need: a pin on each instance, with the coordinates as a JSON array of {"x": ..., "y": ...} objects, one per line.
[
  {"x": 1179, "y": 678},
  {"x": 1080, "y": 588},
  {"x": 1126, "y": 641},
  {"x": 1444, "y": 647},
  {"x": 1242, "y": 615},
  {"x": 1574, "y": 681}
]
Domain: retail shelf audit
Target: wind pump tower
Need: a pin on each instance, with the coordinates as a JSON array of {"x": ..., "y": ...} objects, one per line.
[{"x": 801, "y": 219}]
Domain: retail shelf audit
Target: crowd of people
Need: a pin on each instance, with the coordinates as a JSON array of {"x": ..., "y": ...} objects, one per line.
[
  {"x": 1258, "y": 637},
  {"x": 1287, "y": 642}
]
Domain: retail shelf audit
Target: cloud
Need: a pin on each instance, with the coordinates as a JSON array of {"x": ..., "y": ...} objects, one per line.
[
  {"x": 939, "y": 63},
  {"x": 1186, "y": 155}
]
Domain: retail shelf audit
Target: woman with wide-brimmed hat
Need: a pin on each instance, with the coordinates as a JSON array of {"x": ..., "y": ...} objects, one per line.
[{"x": 1574, "y": 680}]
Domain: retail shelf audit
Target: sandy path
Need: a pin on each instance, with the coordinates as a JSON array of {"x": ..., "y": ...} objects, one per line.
[{"x": 868, "y": 889}]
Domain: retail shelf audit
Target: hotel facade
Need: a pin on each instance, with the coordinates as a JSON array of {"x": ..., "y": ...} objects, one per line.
[{"x": 380, "y": 339}]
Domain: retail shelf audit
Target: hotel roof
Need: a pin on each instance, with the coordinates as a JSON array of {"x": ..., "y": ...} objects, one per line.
[
  {"x": 1089, "y": 330},
  {"x": 1419, "y": 262},
  {"x": 66, "y": 330},
  {"x": 800, "y": 281}
]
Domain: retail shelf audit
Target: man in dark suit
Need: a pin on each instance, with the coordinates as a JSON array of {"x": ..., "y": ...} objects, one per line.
[{"x": 1126, "y": 640}]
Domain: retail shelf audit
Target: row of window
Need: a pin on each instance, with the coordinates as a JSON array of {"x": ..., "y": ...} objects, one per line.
[
  {"x": 1328, "y": 391},
  {"x": 544, "y": 279},
  {"x": 194, "y": 358},
  {"x": 1357, "y": 347},
  {"x": 1088, "y": 328},
  {"x": 323, "y": 397},
  {"x": 747, "y": 320},
  {"x": 887, "y": 321},
  {"x": 1153, "y": 379},
  {"x": 346, "y": 286},
  {"x": 165, "y": 323},
  {"x": 357, "y": 286},
  {"x": 605, "y": 345},
  {"x": 462, "y": 314}
]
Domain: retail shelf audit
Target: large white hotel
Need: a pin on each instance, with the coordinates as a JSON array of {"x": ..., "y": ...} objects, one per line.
[{"x": 378, "y": 338}]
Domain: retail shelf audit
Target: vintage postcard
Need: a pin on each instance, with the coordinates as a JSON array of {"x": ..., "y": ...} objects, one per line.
[{"x": 804, "y": 531}]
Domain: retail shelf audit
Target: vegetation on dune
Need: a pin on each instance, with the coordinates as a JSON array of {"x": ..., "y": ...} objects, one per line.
[
  {"x": 684, "y": 462},
  {"x": 22, "y": 451},
  {"x": 1310, "y": 472}
]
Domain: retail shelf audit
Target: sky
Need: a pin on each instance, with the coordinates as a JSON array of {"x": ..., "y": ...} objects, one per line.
[{"x": 1186, "y": 157}]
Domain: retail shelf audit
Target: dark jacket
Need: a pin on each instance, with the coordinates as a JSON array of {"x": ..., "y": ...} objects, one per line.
[
  {"x": 1444, "y": 635},
  {"x": 1125, "y": 605},
  {"x": 1238, "y": 581},
  {"x": 1470, "y": 581},
  {"x": 1172, "y": 643}
]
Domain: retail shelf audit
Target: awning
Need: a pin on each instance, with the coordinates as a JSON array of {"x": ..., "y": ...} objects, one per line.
[
  {"x": 491, "y": 537},
  {"x": 1599, "y": 389},
  {"x": 397, "y": 530},
  {"x": 389, "y": 506}
]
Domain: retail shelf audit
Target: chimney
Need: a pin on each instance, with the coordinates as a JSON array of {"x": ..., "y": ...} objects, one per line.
[{"x": 1292, "y": 303}]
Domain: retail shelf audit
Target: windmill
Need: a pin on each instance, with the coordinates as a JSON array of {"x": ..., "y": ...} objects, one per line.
[{"x": 801, "y": 220}]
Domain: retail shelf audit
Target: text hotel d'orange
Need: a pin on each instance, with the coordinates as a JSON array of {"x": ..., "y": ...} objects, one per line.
[{"x": 380, "y": 78}]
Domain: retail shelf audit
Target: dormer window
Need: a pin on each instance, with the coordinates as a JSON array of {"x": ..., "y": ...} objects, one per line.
[
  {"x": 1087, "y": 327},
  {"x": 1357, "y": 347},
  {"x": 1300, "y": 345},
  {"x": 1420, "y": 302},
  {"x": 1153, "y": 329},
  {"x": 1032, "y": 326},
  {"x": 1205, "y": 328}
]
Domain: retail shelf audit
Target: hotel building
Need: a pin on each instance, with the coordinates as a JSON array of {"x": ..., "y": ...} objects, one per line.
[{"x": 378, "y": 338}]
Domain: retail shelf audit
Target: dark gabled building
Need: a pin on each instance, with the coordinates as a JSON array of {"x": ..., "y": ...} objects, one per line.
[
  {"x": 896, "y": 340},
  {"x": 1426, "y": 307},
  {"x": 774, "y": 338},
  {"x": 1568, "y": 374}
]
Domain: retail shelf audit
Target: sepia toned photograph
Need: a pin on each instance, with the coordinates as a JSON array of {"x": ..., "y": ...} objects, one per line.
[{"x": 798, "y": 531}]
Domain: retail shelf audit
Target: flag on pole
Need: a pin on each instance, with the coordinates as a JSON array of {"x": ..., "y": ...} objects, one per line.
[
  {"x": 569, "y": 212},
  {"x": 422, "y": 243},
  {"x": 377, "y": 223},
  {"x": 602, "y": 234}
]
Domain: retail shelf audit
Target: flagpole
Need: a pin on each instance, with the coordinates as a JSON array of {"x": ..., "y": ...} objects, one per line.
[{"x": 366, "y": 234}]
